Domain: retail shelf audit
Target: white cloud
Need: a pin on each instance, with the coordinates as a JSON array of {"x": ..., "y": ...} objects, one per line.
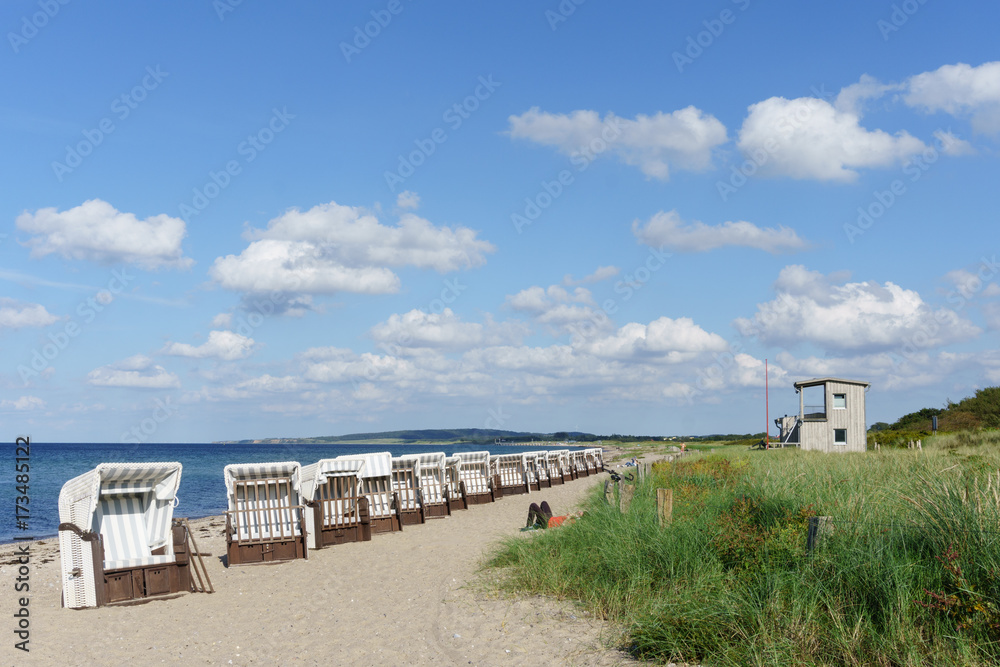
[
  {"x": 256, "y": 387},
  {"x": 602, "y": 273},
  {"x": 15, "y": 315},
  {"x": 683, "y": 139},
  {"x": 666, "y": 229},
  {"x": 960, "y": 89},
  {"x": 222, "y": 320},
  {"x": 672, "y": 340},
  {"x": 225, "y": 345},
  {"x": 809, "y": 138},
  {"x": 23, "y": 404},
  {"x": 863, "y": 316},
  {"x": 538, "y": 300},
  {"x": 444, "y": 330},
  {"x": 96, "y": 231},
  {"x": 137, "y": 371},
  {"x": 951, "y": 145},
  {"x": 332, "y": 248},
  {"x": 408, "y": 200}
]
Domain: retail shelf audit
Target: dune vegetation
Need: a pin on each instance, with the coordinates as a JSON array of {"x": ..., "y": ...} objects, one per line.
[{"x": 908, "y": 574}]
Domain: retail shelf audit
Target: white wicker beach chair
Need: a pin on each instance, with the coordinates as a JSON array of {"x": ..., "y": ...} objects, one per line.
[
  {"x": 432, "y": 478},
  {"x": 266, "y": 519},
  {"x": 579, "y": 458},
  {"x": 532, "y": 472},
  {"x": 117, "y": 540},
  {"x": 406, "y": 486},
  {"x": 337, "y": 509},
  {"x": 457, "y": 499},
  {"x": 376, "y": 485},
  {"x": 511, "y": 473},
  {"x": 553, "y": 467},
  {"x": 476, "y": 476}
]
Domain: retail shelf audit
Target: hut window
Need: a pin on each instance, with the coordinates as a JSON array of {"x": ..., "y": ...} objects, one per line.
[
  {"x": 840, "y": 436},
  {"x": 840, "y": 401}
]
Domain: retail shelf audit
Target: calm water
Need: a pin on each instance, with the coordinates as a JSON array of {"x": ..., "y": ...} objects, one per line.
[{"x": 202, "y": 491}]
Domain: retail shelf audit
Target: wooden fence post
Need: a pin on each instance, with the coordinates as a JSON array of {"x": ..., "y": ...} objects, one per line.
[
  {"x": 820, "y": 528},
  {"x": 665, "y": 506},
  {"x": 609, "y": 492},
  {"x": 626, "y": 497}
]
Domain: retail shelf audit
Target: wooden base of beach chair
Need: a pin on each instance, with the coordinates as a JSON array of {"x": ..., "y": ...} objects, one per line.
[
  {"x": 437, "y": 511},
  {"x": 558, "y": 479},
  {"x": 136, "y": 583},
  {"x": 146, "y": 582},
  {"x": 386, "y": 524},
  {"x": 266, "y": 552},
  {"x": 567, "y": 477},
  {"x": 411, "y": 517},
  {"x": 479, "y": 498},
  {"x": 459, "y": 501},
  {"x": 329, "y": 537}
]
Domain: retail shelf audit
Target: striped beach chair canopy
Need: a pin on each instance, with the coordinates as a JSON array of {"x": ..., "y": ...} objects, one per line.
[
  {"x": 131, "y": 506},
  {"x": 317, "y": 474}
]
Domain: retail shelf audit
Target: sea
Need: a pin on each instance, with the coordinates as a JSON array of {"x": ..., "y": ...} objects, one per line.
[{"x": 202, "y": 491}]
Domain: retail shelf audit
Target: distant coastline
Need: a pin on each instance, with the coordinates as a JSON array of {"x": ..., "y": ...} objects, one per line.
[{"x": 425, "y": 437}]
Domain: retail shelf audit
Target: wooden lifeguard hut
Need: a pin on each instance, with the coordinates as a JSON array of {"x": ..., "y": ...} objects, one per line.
[{"x": 831, "y": 416}]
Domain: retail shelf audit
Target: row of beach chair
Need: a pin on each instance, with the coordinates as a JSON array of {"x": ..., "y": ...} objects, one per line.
[{"x": 119, "y": 540}]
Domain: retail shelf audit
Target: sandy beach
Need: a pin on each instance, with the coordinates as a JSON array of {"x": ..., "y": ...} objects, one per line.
[{"x": 405, "y": 598}]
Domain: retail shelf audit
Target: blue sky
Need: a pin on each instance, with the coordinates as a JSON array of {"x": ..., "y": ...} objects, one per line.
[{"x": 250, "y": 220}]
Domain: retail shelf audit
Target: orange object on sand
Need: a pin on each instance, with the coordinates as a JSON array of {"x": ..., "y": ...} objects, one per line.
[{"x": 563, "y": 520}]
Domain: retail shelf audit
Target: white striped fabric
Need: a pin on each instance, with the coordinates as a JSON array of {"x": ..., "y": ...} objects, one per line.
[
  {"x": 316, "y": 475},
  {"x": 377, "y": 464},
  {"x": 475, "y": 471},
  {"x": 121, "y": 522},
  {"x": 250, "y": 471},
  {"x": 579, "y": 459}
]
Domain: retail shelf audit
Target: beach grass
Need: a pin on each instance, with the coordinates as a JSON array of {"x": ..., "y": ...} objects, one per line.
[{"x": 908, "y": 574}]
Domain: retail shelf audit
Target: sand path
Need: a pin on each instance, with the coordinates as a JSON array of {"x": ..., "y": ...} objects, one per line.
[{"x": 401, "y": 599}]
